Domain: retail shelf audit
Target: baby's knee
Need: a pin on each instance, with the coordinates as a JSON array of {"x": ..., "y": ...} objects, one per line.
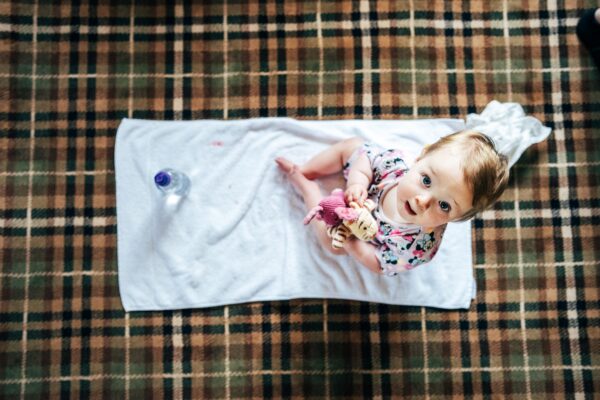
[
  {"x": 350, "y": 146},
  {"x": 355, "y": 142}
]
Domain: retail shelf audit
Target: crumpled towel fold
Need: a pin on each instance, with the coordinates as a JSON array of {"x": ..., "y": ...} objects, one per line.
[{"x": 511, "y": 130}]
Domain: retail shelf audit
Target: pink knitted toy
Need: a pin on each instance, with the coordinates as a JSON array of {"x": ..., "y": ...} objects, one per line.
[
  {"x": 325, "y": 211},
  {"x": 343, "y": 220}
]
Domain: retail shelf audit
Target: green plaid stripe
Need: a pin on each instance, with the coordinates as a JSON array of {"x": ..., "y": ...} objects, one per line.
[{"x": 70, "y": 72}]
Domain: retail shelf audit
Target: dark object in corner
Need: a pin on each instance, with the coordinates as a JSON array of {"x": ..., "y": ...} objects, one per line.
[{"x": 588, "y": 31}]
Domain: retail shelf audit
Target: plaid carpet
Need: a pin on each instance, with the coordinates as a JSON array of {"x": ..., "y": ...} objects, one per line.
[{"x": 69, "y": 73}]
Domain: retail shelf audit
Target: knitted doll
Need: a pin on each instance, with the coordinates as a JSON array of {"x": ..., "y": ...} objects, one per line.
[{"x": 342, "y": 220}]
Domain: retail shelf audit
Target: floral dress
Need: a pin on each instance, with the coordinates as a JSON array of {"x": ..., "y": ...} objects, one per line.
[{"x": 400, "y": 246}]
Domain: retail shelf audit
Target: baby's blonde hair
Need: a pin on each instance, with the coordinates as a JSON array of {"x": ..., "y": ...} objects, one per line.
[{"x": 485, "y": 170}]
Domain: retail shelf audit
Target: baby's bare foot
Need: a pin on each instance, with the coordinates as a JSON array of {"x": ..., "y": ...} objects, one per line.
[
  {"x": 296, "y": 178},
  {"x": 286, "y": 165}
]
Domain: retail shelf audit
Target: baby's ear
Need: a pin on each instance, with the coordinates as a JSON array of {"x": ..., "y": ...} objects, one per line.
[
  {"x": 347, "y": 213},
  {"x": 314, "y": 212}
]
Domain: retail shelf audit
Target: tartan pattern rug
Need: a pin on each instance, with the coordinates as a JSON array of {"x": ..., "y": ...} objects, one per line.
[{"x": 70, "y": 72}]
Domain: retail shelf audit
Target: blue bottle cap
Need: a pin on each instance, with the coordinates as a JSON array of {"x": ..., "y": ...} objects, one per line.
[{"x": 162, "y": 179}]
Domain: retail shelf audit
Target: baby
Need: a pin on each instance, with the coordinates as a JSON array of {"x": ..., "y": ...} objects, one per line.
[{"x": 451, "y": 180}]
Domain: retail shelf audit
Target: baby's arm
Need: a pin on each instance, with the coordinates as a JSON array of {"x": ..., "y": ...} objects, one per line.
[
  {"x": 359, "y": 179},
  {"x": 364, "y": 253}
]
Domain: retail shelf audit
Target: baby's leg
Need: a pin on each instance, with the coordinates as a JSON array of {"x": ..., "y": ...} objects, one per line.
[
  {"x": 331, "y": 160},
  {"x": 311, "y": 193}
]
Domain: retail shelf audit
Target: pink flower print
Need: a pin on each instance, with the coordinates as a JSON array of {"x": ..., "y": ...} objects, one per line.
[{"x": 418, "y": 253}]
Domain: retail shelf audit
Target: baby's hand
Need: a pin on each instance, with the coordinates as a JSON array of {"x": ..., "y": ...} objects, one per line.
[{"x": 356, "y": 193}]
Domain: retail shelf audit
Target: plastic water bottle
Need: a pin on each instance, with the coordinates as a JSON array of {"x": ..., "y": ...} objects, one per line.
[{"x": 170, "y": 181}]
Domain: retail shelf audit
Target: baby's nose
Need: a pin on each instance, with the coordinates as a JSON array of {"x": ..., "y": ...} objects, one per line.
[{"x": 423, "y": 201}]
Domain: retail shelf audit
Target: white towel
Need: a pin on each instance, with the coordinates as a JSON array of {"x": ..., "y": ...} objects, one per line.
[{"x": 238, "y": 235}]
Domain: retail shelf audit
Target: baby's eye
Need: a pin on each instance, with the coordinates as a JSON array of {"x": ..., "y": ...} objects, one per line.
[
  {"x": 426, "y": 180},
  {"x": 444, "y": 206}
]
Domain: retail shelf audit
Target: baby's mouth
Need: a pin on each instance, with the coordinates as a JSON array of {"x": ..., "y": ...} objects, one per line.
[{"x": 408, "y": 208}]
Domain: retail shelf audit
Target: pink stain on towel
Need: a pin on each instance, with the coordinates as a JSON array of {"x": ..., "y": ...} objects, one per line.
[{"x": 217, "y": 143}]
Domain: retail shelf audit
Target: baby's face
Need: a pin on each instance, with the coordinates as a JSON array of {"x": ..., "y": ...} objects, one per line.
[{"x": 434, "y": 191}]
